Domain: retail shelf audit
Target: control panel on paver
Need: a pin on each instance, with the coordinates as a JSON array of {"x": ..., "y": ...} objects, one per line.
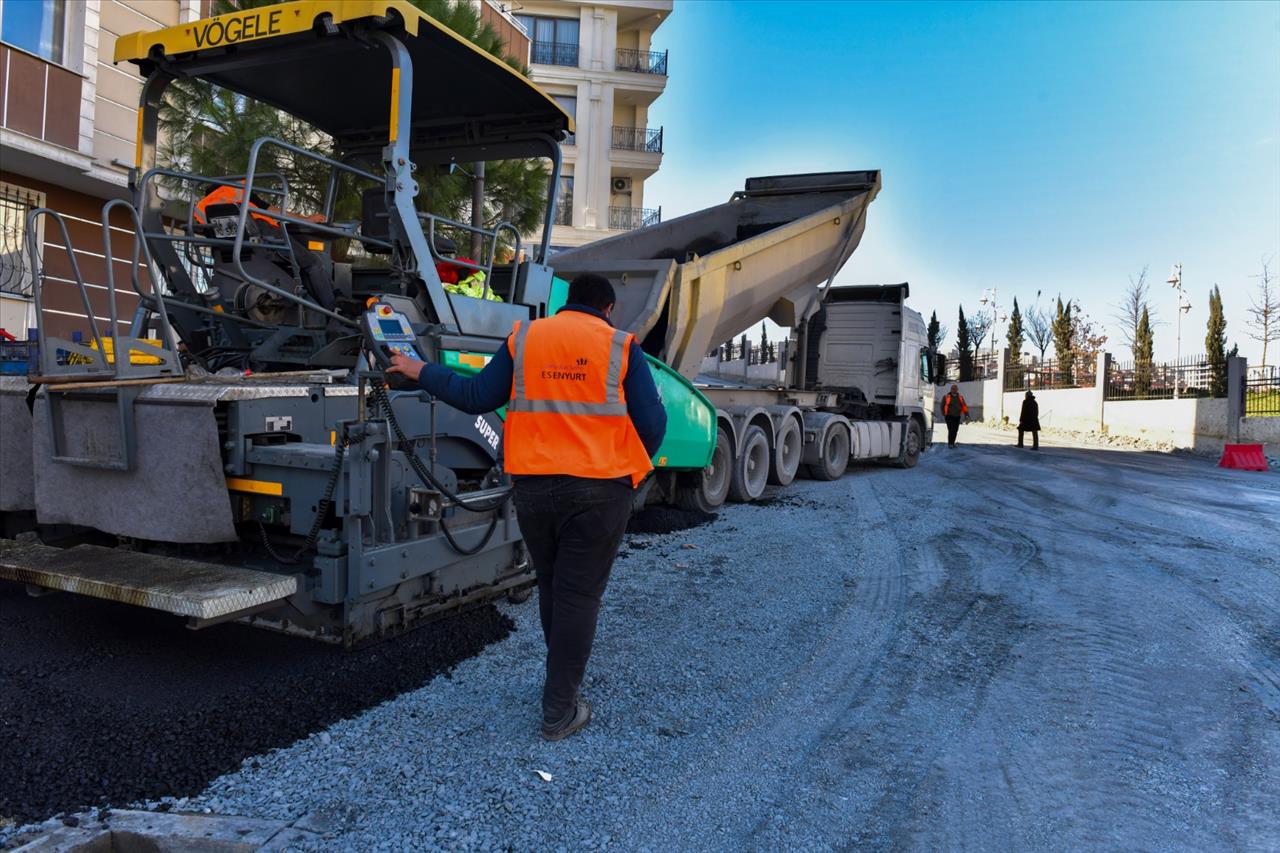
[{"x": 391, "y": 331}]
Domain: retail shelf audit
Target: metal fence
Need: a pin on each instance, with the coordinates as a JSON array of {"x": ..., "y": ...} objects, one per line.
[
  {"x": 1190, "y": 376},
  {"x": 15, "y": 265},
  {"x": 629, "y": 218},
  {"x": 554, "y": 53},
  {"x": 1050, "y": 374},
  {"x": 648, "y": 139},
  {"x": 1262, "y": 391},
  {"x": 641, "y": 61}
]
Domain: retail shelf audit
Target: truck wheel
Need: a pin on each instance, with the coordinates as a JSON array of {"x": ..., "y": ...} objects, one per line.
[
  {"x": 520, "y": 596},
  {"x": 914, "y": 443},
  {"x": 705, "y": 491},
  {"x": 751, "y": 467},
  {"x": 788, "y": 445},
  {"x": 835, "y": 455}
]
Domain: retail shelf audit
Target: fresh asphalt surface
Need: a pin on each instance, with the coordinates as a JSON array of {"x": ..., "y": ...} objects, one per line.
[{"x": 1072, "y": 649}]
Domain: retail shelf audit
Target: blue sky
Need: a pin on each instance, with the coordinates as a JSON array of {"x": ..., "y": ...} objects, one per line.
[{"x": 1023, "y": 146}]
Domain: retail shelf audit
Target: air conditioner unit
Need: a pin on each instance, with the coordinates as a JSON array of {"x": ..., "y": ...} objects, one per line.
[{"x": 622, "y": 185}]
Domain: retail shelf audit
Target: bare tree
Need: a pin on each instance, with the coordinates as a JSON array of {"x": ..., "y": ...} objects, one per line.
[
  {"x": 979, "y": 325},
  {"x": 1264, "y": 311},
  {"x": 1129, "y": 311},
  {"x": 1039, "y": 328}
]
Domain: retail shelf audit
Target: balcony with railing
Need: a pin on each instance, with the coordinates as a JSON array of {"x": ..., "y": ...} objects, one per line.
[
  {"x": 554, "y": 53},
  {"x": 631, "y": 218},
  {"x": 647, "y": 139},
  {"x": 641, "y": 61}
]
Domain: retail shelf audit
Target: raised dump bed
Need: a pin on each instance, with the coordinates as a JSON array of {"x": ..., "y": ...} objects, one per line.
[{"x": 688, "y": 285}]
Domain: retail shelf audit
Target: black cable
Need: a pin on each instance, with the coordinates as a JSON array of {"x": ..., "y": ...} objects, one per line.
[
  {"x": 384, "y": 400},
  {"x": 322, "y": 509},
  {"x": 380, "y": 394}
]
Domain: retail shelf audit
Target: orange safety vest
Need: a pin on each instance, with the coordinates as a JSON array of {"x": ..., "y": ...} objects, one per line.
[
  {"x": 568, "y": 410},
  {"x": 229, "y": 195},
  {"x": 946, "y": 404}
]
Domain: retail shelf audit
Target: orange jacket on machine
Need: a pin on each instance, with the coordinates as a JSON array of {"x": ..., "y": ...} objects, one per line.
[
  {"x": 946, "y": 405},
  {"x": 229, "y": 195},
  {"x": 568, "y": 411}
]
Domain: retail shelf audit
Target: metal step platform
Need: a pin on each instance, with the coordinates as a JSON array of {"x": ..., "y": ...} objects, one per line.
[{"x": 204, "y": 592}]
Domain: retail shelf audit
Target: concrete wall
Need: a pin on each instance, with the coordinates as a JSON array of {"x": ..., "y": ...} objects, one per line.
[{"x": 1066, "y": 408}]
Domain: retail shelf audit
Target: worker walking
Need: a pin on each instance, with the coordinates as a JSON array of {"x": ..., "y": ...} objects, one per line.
[
  {"x": 583, "y": 421},
  {"x": 1029, "y": 420},
  {"x": 953, "y": 408}
]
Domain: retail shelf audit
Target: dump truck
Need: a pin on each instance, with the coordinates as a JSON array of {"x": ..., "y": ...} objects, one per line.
[{"x": 232, "y": 450}]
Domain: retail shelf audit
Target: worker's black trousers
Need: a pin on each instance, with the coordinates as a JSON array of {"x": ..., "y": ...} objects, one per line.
[
  {"x": 572, "y": 527},
  {"x": 953, "y": 428},
  {"x": 1035, "y": 438}
]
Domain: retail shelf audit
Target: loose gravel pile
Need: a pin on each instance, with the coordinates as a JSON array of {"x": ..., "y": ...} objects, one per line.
[
  {"x": 994, "y": 650},
  {"x": 106, "y": 704}
]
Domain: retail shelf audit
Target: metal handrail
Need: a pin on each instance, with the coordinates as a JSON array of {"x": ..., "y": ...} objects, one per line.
[
  {"x": 641, "y": 61},
  {"x": 431, "y": 219},
  {"x": 637, "y": 139},
  {"x": 564, "y": 53},
  {"x": 284, "y": 218},
  {"x": 630, "y": 218}
]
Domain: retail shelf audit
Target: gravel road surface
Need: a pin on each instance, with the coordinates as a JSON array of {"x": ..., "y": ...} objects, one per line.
[{"x": 1075, "y": 648}]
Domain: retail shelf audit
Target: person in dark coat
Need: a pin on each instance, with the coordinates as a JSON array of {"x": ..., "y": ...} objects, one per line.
[{"x": 1029, "y": 421}]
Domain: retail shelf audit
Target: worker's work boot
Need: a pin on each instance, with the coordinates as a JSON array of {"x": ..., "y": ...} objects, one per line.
[{"x": 577, "y": 718}]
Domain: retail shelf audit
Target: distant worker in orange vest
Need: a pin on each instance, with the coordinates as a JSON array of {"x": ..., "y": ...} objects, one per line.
[
  {"x": 953, "y": 407},
  {"x": 583, "y": 421}
]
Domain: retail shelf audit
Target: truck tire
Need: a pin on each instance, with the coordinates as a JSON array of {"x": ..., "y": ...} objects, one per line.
[
  {"x": 835, "y": 455},
  {"x": 705, "y": 491},
  {"x": 912, "y": 445},
  {"x": 750, "y": 466},
  {"x": 788, "y": 446}
]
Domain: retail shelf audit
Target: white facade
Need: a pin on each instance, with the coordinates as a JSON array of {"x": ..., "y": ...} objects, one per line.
[{"x": 598, "y": 59}]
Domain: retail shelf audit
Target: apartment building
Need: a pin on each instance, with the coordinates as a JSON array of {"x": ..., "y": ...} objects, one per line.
[
  {"x": 68, "y": 123},
  {"x": 598, "y": 60}
]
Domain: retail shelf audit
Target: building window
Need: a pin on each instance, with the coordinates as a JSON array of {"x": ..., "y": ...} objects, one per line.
[
  {"x": 36, "y": 26},
  {"x": 564, "y": 201},
  {"x": 15, "y": 263},
  {"x": 552, "y": 41},
  {"x": 569, "y": 104}
]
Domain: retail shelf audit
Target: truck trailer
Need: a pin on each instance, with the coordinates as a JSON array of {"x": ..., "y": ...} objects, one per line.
[{"x": 231, "y": 449}]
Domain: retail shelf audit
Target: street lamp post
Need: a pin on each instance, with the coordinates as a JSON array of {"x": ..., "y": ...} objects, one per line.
[
  {"x": 989, "y": 297},
  {"x": 1175, "y": 281}
]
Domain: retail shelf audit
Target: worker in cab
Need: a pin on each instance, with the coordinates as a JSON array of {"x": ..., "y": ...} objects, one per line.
[
  {"x": 223, "y": 194},
  {"x": 953, "y": 409},
  {"x": 460, "y": 279},
  {"x": 583, "y": 421}
]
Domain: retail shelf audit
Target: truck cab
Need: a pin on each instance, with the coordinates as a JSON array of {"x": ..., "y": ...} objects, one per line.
[{"x": 868, "y": 347}]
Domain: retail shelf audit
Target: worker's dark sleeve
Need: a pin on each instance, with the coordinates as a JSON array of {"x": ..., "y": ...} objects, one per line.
[
  {"x": 644, "y": 406},
  {"x": 487, "y": 391}
]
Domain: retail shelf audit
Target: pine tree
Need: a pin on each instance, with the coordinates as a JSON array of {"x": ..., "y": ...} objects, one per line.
[
  {"x": 1062, "y": 343},
  {"x": 936, "y": 332},
  {"x": 1215, "y": 344},
  {"x": 965, "y": 347},
  {"x": 1015, "y": 334},
  {"x": 1143, "y": 354}
]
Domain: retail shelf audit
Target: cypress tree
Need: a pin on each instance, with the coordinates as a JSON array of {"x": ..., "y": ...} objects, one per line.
[
  {"x": 1015, "y": 334},
  {"x": 1215, "y": 344},
  {"x": 965, "y": 346},
  {"x": 1143, "y": 354},
  {"x": 1062, "y": 343},
  {"x": 934, "y": 333}
]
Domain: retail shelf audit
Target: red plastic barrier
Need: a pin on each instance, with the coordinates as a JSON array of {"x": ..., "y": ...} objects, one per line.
[{"x": 1246, "y": 457}]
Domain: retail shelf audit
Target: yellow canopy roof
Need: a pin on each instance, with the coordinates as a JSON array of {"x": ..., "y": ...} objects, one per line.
[{"x": 307, "y": 58}]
